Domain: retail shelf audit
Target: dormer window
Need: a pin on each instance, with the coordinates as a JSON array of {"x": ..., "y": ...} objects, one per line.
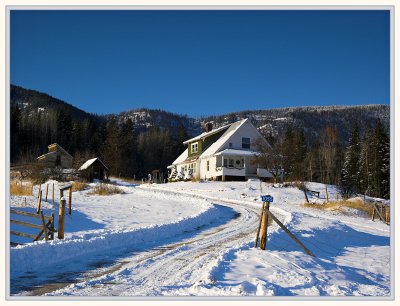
[
  {"x": 245, "y": 143},
  {"x": 194, "y": 147}
]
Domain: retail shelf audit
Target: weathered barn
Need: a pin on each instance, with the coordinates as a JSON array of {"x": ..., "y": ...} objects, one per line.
[
  {"x": 94, "y": 169},
  {"x": 56, "y": 157}
]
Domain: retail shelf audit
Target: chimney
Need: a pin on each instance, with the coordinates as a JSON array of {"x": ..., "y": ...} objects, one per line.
[{"x": 208, "y": 127}]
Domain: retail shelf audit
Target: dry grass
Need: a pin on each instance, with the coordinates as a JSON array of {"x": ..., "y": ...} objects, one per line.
[
  {"x": 106, "y": 189},
  {"x": 78, "y": 186},
  {"x": 17, "y": 189},
  {"x": 339, "y": 205}
]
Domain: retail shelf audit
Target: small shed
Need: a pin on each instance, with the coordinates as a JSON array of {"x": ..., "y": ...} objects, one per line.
[
  {"x": 56, "y": 157},
  {"x": 94, "y": 169}
]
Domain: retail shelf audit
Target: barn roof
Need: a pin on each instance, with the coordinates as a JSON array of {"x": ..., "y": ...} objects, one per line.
[
  {"x": 54, "y": 152},
  {"x": 58, "y": 147},
  {"x": 89, "y": 162}
]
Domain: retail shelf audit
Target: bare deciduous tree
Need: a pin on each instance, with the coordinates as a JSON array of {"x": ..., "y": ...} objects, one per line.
[{"x": 269, "y": 158}]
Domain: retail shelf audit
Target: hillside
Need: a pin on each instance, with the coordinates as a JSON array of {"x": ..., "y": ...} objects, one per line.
[
  {"x": 312, "y": 119},
  {"x": 32, "y": 101},
  {"x": 274, "y": 122}
]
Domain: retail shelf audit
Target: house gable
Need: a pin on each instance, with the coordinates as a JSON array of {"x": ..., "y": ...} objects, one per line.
[
  {"x": 243, "y": 137},
  {"x": 203, "y": 144},
  {"x": 237, "y": 129},
  {"x": 56, "y": 156}
]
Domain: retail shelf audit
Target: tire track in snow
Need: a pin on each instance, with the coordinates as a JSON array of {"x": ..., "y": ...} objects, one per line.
[{"x": 182, "y": 264}]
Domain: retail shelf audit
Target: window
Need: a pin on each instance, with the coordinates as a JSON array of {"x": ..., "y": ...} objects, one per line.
[
  {"x": 245, "y": 143},
  {"x": 195, "y": 147},
  {"x": 230, "y": 145},
  {"x": 193, "y": 167},
  {"x": 208, "y": 165},
  {"x": 230, "y": 164}
]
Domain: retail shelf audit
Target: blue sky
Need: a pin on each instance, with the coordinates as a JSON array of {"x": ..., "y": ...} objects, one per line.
[{"x": 203, "y": 62}]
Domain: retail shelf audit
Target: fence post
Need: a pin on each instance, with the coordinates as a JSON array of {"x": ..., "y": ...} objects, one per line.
[
  {"x": 387, "y": 214},
  {"x": 52, "y": 226},
  {"x": 70, "y": 201},
  {"x": 47, "y": 190},
  {"x": 373, "y": 213},
  {"x": 39, "y": 202},
  {"x": 326, "y": 192},
  {"x": 305, "y": 194},
  {"x": 259, "y": 225},
  {"x": 46, "y": 237},
  {"x": 264, "y": 226},
  {"x": 61, "y": 214}
]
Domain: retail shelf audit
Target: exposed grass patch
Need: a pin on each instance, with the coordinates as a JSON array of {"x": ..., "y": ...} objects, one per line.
[
  {"x": 341, "y": 205},
  {"x": 78, "y": 186},
  {"x": 19, "y": 189},
  {"x": 106, "y": 189}
]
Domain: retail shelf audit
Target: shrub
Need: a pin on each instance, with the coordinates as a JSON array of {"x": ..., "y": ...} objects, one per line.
[
  {"x": 106, "y": 189},
  {"x": 78, "y": 186},
  {"x": 357, "y": 204},
  {"x": 18, "y": 189}
]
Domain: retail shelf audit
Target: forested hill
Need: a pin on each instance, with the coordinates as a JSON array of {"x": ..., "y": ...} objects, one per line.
[
  {"x": 271, "y": 122},
  {"x": 311, "y": 119},
  {"x": 137, "y": 141},
  {"x": 32, "y": 101}
]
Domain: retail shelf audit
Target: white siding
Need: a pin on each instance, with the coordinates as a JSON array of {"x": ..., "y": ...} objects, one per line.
[{"x": 246, "y": 130}]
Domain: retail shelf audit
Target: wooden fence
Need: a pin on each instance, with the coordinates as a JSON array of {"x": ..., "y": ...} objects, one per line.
[
  {"x": 382, "y": 211},
  {"x": 46, "y": 229}
]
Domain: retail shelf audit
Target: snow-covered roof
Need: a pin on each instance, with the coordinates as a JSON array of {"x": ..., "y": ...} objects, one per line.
[
  {"x": 223, "y": 139},
  {"x": 58, "y": 147},
  {"x": 89, "y": 162},
  {"x": 181, "y": 157},
  {"x": 207, "y": 134},
  {"x": 46, "y": 154},
  {"x": 235, "y": 152}
]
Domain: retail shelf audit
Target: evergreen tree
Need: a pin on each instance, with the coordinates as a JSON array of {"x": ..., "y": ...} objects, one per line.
[
  {"x": 299, "y": 155},
  {"x": 365, "y": 164},
  {"x": 128, "y": 152},
  {"x": 111, "y": 152},
  {"x": 350, "y": 176},
  {"x": 287, "y": 150},
  {"x": 64, "y": 129},
  {"x": 15, "y": 130},
  {"x": 382, "y": 162}
]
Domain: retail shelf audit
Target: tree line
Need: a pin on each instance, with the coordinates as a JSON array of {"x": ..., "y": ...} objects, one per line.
[
  {"x": 126, "y": 152},
  {"x": 361, "y": 166}
]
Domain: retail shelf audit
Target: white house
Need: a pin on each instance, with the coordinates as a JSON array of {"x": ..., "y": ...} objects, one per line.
[{"x": 223, "y": 154}]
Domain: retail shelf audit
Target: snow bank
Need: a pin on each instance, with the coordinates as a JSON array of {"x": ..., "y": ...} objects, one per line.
[{"x": 40, "y": 255}]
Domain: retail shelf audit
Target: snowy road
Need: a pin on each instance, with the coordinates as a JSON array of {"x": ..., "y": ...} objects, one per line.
[
  {"x": 209, "y": 251},
  {"x": 181, "y": 264},
  {"x": 180, "y": 261}
]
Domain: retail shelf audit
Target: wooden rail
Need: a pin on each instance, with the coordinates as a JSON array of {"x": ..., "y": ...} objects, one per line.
[
  {"x": 26, "y": 224},
  {"x": 382, "y": 211},
  {"x": 22, "y": 234},
  {"x": 47, "y": 229},
  {"x": 20, "y": 212}
]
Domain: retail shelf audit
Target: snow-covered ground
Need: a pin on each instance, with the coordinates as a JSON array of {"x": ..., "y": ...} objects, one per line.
[{"x": 197, "y": 238}]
